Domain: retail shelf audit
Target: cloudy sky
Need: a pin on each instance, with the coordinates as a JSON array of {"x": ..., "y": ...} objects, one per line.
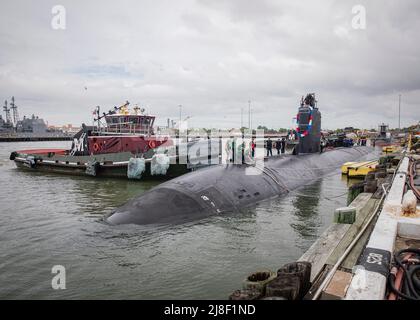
[{"x": 211, "y": 57}]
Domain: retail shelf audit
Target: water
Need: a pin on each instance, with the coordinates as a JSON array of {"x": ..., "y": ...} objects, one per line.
[{"x": 48, "y": 220}]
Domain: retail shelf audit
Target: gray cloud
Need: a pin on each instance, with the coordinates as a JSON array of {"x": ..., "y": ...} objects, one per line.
[{"x": 212, "y": 57}]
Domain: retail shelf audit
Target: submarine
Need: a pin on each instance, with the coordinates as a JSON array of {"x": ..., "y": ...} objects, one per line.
[{"x": 228, "y": 188}]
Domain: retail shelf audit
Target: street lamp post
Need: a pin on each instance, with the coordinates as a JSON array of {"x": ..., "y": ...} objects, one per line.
[
  {"x": 249, "y": 114},
  {"x": 399, "y": 112}
]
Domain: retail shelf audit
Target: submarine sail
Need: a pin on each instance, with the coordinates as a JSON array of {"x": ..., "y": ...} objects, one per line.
[{"x": 309, "y": 125}]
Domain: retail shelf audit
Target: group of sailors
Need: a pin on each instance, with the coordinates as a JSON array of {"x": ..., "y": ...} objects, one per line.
[
  {"x": 246, "y": 152},
  {"x": 279, "y": 145}
]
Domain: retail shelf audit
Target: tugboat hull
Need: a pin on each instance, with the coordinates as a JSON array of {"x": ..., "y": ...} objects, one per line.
[{"x": 109, "y": 165}]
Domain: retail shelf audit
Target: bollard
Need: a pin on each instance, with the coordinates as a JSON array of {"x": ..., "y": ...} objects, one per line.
[
  {"x": 302, "y": 270},
  {"x": 258, "y": 280}
]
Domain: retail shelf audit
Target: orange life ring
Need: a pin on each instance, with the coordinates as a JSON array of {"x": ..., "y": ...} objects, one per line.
[
  {"x": 96, "y": 147},
  {"x": 152, "y": 144}
]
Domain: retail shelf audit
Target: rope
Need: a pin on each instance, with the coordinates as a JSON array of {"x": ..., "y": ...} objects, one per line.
[
  {"x": 295, "y": 192},
  {"x": 267, "y": 172},
  {"x": 323, "y": 197}
]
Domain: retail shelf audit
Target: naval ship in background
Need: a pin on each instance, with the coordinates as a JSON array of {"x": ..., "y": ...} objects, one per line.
[{"x": 12, "y": 128}]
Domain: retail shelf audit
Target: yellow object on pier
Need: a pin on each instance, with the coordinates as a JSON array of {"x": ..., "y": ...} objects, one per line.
[
  {"x": 362, "y": 170},
  {"x": 345, "y": 167},
  {"x": 390, "y": 149},
  {"x": 359, "y": 169}
]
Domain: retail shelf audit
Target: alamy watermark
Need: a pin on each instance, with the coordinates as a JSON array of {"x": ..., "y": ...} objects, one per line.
[
  {"x": 359, "y": 17},
  {"x": 58, "y": 282},
  {"x": 58, "y": 20},
  {"x": 200, "y": 147}
]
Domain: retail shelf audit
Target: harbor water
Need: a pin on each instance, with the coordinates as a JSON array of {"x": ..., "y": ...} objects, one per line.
[{"x": 48, "y": 220}]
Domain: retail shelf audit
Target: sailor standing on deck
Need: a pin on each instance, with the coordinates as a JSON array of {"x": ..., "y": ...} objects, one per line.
[
  {"x": 252, "y": 148},
  {"x": 278, "y": 146},
  {"x": 269, "y": 147},
  {"x": 283, "y": 145}
]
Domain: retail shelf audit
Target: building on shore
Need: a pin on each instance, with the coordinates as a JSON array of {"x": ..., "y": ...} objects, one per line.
[{"x": 67, "y": 128}]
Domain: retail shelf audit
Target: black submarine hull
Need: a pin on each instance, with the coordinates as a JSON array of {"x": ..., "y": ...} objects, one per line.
[{"x": 228, "y": 188}]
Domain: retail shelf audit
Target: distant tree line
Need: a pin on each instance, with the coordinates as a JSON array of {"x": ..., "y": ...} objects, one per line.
[{"x": 269, "y": 130}]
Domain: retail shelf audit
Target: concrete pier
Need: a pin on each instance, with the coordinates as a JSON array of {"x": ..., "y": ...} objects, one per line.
[{"x": 374, "y": 265}]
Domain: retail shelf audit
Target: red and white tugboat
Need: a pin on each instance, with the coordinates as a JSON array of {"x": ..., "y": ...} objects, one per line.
[{"x": 106, "y": 148}]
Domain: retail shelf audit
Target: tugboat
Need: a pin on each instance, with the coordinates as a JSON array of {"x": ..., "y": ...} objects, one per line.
[
  {"x": 122, "y": 140},
  {"x": 123, "y": 131},
  {"x": 383, "y": 137}
]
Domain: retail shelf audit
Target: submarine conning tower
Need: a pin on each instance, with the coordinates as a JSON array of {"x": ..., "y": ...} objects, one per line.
[{"x": 309, "y": 125}]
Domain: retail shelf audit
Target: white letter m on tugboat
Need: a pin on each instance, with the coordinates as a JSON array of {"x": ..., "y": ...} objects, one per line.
[{"x": 78, "y": 144}]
